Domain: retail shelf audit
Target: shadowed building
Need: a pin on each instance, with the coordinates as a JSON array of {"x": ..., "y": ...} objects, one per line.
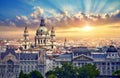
[
  {"x": 107, "y": 62},
  {"x": 12, "y": 63}
]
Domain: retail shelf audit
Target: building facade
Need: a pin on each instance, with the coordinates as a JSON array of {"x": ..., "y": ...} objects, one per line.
[
  {"x": 107, "y": 62},
  {"x": 11, "y": 63}
]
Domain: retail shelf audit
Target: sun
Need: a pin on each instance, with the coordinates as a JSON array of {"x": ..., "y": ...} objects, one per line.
[{"x": 87, "y": 28}]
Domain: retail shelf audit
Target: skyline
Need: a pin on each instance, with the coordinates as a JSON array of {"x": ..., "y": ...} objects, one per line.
[{"x": 69, "y": 17}]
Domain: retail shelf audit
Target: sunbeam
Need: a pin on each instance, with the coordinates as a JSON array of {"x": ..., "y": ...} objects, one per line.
[
  {"x": 101, "y": 6},
  {"x": 63, "y": 14},
  {"x": 88, "y": 6},
  {"x": 111, "y": 7}
]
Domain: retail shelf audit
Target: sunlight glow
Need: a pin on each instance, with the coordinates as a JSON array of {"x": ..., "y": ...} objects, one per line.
[{"x": 87, "y": 28}]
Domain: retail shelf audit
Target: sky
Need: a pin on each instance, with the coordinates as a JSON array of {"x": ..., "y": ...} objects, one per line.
[{"x": 73, "y": 19}]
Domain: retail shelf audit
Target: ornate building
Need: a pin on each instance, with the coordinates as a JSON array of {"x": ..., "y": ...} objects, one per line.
[
  {"x": 28, "y": 59},
  {"x": 43, "y": 38},
  {"x": 52, "y": 38},
  {"x": 106, "y": 62},
  {"x": 11, "y": 63}
]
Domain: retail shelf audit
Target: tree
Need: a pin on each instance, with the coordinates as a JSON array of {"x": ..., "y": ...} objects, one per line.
[
  {"x": 66, "y": 71},
  {"x": 49, "y": 73},
  {"x": 26, "y": 76},
  {"x": 21, "y": 74},
  {"x": 88, "y": 71},
  {"x": 69, "y": 71},
  {"x": 35, "y": 74},
  {"x": 52, "y": 76},
  {"x": 117, "y": 73}
]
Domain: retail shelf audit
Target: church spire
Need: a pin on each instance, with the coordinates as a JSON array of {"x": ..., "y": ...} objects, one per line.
[
  {"x": 42, "y": 22},
  {"x": 52, "y": 37},
  {"x": 65, "y": 42},
  {"x": 26, "y": 38}
]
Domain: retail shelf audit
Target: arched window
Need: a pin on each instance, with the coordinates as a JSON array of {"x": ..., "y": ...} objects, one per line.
[
  {"x": 44, "y": 41},
  {"x": 10, "y": 64},
  {"x": 28, "y": 68},
  {"x": 25, "y": 68},
  {"x": 41, "y": 41}
]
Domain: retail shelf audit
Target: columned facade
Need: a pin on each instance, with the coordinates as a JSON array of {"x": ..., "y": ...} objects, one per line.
[{"x": 43, "y": 37}]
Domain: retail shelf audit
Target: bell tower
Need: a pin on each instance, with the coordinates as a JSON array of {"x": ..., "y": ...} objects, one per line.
[
  {"x": 26, "y": 39},
  {"x": 65, "y": 41},
  {"x": 52, "y": 37}
]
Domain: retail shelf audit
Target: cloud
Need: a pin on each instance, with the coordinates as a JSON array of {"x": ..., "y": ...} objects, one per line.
[
  {"x": 20, "y": 21},
  {"x": 62, "y": 19},
  {"x": 114, "y": 26},
  {"x": 37, "y": 12}
]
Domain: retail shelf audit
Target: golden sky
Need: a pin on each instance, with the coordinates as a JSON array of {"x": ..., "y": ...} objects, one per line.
[{"x": 73, "y": 32}]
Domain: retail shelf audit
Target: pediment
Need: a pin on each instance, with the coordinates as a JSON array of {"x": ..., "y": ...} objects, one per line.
[
  {"x": 9, "y": 57},
  {"x": 83, "y": 58}
]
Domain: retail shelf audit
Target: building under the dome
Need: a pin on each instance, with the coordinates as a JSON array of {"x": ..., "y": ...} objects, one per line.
[{"x": 43, "y": 38}]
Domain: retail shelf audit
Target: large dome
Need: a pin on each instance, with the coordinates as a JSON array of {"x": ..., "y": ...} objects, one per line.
[
  {"x": 42, "y": 31},
  {"x": 111, "y": 49}
]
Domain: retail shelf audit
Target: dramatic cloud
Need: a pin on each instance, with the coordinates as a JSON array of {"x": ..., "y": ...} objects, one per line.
[
  {"x": 37, "y": 12},
  {"x": 63, "y": 19},
  {"x": 69, "y": 17}
]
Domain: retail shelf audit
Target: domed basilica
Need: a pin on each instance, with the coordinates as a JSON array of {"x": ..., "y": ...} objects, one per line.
[{"x": 44, "y": 37}]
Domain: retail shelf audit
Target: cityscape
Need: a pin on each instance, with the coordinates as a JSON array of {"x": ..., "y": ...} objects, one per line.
[{"x": 59, "y": 39}]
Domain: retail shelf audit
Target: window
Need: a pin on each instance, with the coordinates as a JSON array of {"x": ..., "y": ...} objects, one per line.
[
  {"x": 112, "y": 54},
  {"x": 32, "y": 67},
  {"x": 25, "y": 68},
  {"x": 112, "y": 67},
  {"x": 28, "y": 68},
  {"x": 103, "y": 63},
  {"x": 116, "y": 67},
  {"x": 108, "y": 72},
  {"x": 21, "y": 67},
  {"x": 103, "y": 68},
  {"x": 113, "y": 63}
]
